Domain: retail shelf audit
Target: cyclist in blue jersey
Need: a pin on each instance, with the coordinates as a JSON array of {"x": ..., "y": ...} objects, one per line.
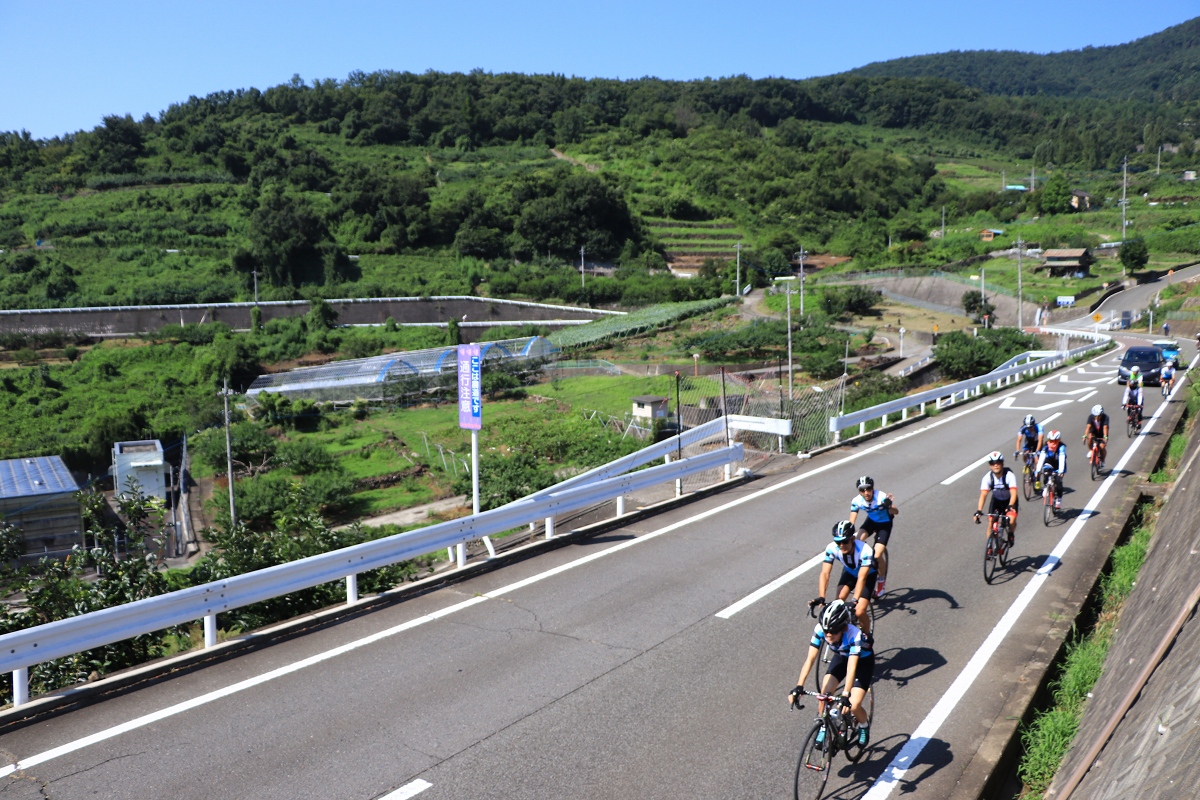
[
  {"x": 879, "y": 508},
  {"x": 1030, "y": 438},
  {"x": 1052, "y": 462},
  {"x": 858, "y": 572},
  {"x": 853, "y": 664},
  {"x": 1166, "y": 377}
]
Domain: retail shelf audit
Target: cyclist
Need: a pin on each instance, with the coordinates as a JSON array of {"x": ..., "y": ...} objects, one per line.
[
  {"x": 1030, "y": 438},
  {"x": 853, "y": 663},
  {"x": 879, "y": 508},
  {"x": 1097, "y": 430},
  {"x": 858, "y": 572},
  {"x": 1052, "y": 459},
  {"x": 1001, "y": 484},
  {"x": 1166, "y": 329},
  {"x": 1167, "y": 377},
  {"x": 1133, "y": 392}
]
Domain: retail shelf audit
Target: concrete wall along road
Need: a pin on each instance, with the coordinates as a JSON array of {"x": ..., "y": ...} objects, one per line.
[
  {"x": 1153, "y": 751},
  {"x": 129, "y": 320}
]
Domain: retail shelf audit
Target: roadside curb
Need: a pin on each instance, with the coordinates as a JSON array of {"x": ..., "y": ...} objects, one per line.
[{"x": 12, "y": 718}]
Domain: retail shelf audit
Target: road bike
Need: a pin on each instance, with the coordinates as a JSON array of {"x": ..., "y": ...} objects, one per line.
[
  {"x": 1027, "y": 473},
  {"x": 1166, "y": 388},
  {"x": 1051, "y": 492},
  {"x": 1094, "y": 456},
  {"x": 1133, "y": 420},
  {"x": 999, "y": 542},
  {"x": 840, "y": 735}
]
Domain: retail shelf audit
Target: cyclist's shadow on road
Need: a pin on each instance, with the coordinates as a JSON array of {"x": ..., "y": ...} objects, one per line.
[
  {"x": 899, "y": 665},
  {"x": 873, "y": 766},
  {"x": 904, "y": 601}
]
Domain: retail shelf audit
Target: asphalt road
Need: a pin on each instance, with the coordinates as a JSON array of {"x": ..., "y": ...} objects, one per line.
[{"x": 602, "y": 670}]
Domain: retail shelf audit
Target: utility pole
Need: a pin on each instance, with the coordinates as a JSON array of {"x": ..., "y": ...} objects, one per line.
[
  {"x": 943, "y": 223},
  {"x": 788, "y": 294},
  {"x": 1124, "y": 202},
  {"x": 1158, "y": 168},
  {"x": 983, "y": 296},
  {"x": 1032, "y": 181},
  {"x": 1020, "y": 297},
  {"x": 229, "y": 456},
  {"x": 801, "y": 256},
  {"x": 1003, "y": 179},
  {"x": 255, "y": 274},
  {"x": 582, "y": 269},
  {"x": 738, "y": 284}
]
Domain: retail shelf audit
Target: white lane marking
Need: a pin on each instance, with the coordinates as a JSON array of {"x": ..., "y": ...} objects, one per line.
[
  {"x": 1086, "y": 396},
  {"x": 187, "y": 705},
  {"x": 1010, "y": 403},
  {"x": 759, "y": 594},
  {"x": 976, "y": 464},
  {"x": 968, "y": 468},
  {"x": 929, "y": 726},
  {"x": 408, "y": 790}
]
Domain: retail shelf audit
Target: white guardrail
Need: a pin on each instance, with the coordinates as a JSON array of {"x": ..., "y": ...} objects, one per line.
[
  {"x": 1028, "y": 364},
  {"x": 20, "y": 650}
]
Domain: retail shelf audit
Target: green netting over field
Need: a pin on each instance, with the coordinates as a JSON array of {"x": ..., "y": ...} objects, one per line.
[{"x": 634, "y": 323}]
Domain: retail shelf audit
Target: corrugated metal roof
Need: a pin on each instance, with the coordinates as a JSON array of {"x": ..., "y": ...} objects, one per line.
[{"x": 22, "y": 477}]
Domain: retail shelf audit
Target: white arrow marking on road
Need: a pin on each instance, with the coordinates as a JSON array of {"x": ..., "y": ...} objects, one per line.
[
  {"x": 1010, "y": 402},
  {"x": 408, "y": 790},
  {"x": 1044, "y": 390}
]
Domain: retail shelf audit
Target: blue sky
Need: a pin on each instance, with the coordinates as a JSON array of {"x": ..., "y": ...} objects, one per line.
[{"x": 66, "y": 64}]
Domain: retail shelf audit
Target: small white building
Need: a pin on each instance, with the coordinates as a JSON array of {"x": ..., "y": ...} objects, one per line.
[
  {"x": 142, "y": 461},
  {"x": 650, "y": 407}
]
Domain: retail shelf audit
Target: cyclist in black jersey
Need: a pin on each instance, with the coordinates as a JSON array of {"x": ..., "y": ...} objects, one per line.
[{"x": 1097, "y": 429}]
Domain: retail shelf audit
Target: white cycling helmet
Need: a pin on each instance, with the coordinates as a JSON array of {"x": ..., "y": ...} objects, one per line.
[
  {"x": 1029, "y": 421},
  {"x": 1135, "y": 369},
  {"x": 1097, "y": 410},
  {"x": 1054, "y": 436},
  {"x": 995, "y": 457}
]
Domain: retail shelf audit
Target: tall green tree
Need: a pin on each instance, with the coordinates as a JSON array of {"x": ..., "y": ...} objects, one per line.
[{"x": 1134, "y": 254}]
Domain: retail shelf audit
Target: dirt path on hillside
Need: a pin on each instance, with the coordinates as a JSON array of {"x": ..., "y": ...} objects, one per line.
[{"x": 560, "y": 154}]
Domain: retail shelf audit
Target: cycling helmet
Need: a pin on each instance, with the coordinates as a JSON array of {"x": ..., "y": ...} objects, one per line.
[
  {"x": 1135, "y": 369},
  {"x": 1097, "y": 410},
  {"x": 995, "y": 457},
  {"x": 835, "y": 617},
  {"x": 865, "y": 482},
  {"x": 1054, "y": 436},
  {"x": 843, "y": 531},
  {"x": 1029, "y": 421}
]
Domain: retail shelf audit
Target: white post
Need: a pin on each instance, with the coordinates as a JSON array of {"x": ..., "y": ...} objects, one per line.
[
  {"x": 462, "y": 554},
  {"x": 487, "y": 540},
  {"x": 210, "y": 630},
  {"x": 549, "y": 527},
  {"x": 351, "y": 589},
  {"x": 621, "y": 506},
  {"x": 20, "y": 681}
]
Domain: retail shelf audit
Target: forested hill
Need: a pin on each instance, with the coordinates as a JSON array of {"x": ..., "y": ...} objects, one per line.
[{"x": 1162, "y": 67}]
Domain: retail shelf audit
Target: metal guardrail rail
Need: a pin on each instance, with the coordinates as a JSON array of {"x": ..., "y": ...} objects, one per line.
[
  {"x": 22, "y": 649},
  {"x": 1030, "y": 363}
]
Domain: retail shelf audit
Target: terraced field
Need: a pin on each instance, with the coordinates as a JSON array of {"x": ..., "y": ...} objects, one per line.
[{"x": 689, "y": 243}]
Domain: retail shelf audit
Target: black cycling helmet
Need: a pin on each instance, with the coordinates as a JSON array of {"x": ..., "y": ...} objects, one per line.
[
  {"x": 836, "y": 617},
  {"x": 843, "y": 531},
  {"x": 865, "y": 482}
]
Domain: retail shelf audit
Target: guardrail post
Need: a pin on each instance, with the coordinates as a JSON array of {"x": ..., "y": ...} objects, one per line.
[
  {"x": 903, "y": 414},
  {"x": 922, "y": 409},
  {"x": 462, "y": 554},
  {"x": 210, "y": 630},
  {"x": 351, "y": 589},
  {"x": 549, "y": 527},
  {"x": 20, "y": 681},
  {"x": 862, "y": 428},
  {"x": 621, "y": 505}
]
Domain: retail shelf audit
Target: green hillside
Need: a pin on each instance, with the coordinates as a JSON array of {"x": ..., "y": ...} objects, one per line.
[
  {"x": 1162, "y": 67},
  {"x": 401, "y": 184}
]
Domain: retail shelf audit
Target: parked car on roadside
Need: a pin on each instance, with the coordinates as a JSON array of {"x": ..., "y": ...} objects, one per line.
[{"x": 1149, "y": 361}]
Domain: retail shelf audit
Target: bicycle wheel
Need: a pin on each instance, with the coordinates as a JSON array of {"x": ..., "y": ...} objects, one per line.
[
  {"x": 822, "y": 665},
  {"x": 812, "y": 771},
  {"x": 1130, "y": 427},
  {"x": 1048, "y": 505},
  {"x": 1094, "y": 459},
  {"x": 990, "y": 555},
  {"x": 1027, "y": 482},
  {"x": 854, "y": 750},
  {"x": 1002, "y": 553}
]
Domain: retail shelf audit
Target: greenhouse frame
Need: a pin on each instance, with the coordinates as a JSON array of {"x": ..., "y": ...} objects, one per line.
[{"x": 409, "y": 372}]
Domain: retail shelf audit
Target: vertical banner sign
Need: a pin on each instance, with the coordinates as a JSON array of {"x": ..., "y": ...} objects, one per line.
[{"x": 470, "y": 387}]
